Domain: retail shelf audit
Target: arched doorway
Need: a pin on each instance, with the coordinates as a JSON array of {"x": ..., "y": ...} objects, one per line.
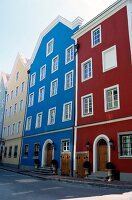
[
  {"x": 49, "y": 154},
  {"x": 102, "y": 155}
]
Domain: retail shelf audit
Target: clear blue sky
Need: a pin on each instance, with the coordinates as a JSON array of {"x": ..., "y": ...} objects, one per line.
[{"x": 22, "y": 21}]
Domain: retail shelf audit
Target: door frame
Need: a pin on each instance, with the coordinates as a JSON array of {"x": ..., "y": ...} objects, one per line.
[
  {"x": 95, "y": 150},
  {"x": 44, "y": 152}
]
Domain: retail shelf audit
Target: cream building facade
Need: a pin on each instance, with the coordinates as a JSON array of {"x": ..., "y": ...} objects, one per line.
[{"x": 15, "y": 106}]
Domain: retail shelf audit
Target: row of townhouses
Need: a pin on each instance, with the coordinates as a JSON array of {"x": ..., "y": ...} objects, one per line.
[{"x": 71, "y": 101}]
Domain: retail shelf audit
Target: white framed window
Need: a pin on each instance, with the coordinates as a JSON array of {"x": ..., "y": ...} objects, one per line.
[
  {"x": 17, "y": 88},
  {"x": 15, "y": 108},
  {"x": 7, "y": 97},
  {"x": 12, "y": 94},
  {"x": 49, "y": 48},
  {"x": 10, "y": 111},
  {"x": 6, "y": 113},
  {"x": 42, "y": 72},
  {"x": 17, "y": 76},
  {"x": 67, "y": 111},
  {"x": 109, "y": 58},
  {"x": 13, "y": 128},
  {"x": 86, "y": 68},
  {"x": 21, "y": 105},
  {"x": 69, "y": 54},
  {"x": 41, "y": 94},
  {"x": 28, "y": 123},
  {"x": 53, "y": 87},
  {"x": 38, "y": 120},
  {"x": 87, "y": 105},
  {"x": 96, "y": 36},
  {"x": 31, "y": 99},
  {"x": 9, "y": 130},
  {"x": 51, "y": 116},
  {"x": 65, "y": 145},
  {"x": 125, "y": 144},
  {"x": 15, "y": 151},
  {"x": 19, "y": 127},
  {"x": 26, "y": 149},
  {"x": 55, "y": 63},
  {"x": 22, "y": 86},
  {"x": 32, "y": 79},
  {"x": 68, "y": 80},
  {"x": 111, "y": 98}
]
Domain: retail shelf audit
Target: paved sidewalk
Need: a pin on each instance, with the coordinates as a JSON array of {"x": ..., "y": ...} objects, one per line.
[{"x": 115, "y": 183}]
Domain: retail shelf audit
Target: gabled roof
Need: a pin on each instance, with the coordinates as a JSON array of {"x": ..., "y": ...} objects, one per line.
[{"x": 77, "y": 22}]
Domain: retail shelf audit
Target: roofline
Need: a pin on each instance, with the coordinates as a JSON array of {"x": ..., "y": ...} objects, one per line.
[
  {"x": 119, "y": 4},
  {"x": 77, "y": 22}
]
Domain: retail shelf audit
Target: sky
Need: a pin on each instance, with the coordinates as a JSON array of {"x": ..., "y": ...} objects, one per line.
[{"x": 22, "y": 21}]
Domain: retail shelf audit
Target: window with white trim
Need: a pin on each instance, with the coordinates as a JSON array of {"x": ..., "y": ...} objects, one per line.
[
  {"x": 13, "y": 128},
  {"x": 17, "y": 76},
  {"x": 10, "y": 111},
  {"x": 36, "y": 149},
  {"x": 17, "y": 88},
  {"x": 15, "y": 108},
  {"x": 86, "y": 69},
  {"x": 28, "y": 123},
  {"x": 68, "y": 80},
  {"x": 42, "y": 72},
  {"x": 87, "y": 105},
  {"x": 111, "y": 98},
  {"x": 49, "y": 48},
  {"x": 26, "y": 149},
  {"x": 12, "y": 94},
  {"x": 53, "y": 87},
  {"x": 41, "y": 94},
  {"x": 55, "y": 63},
  {"x": 19, "y": 127},
  {"x": 22, "y": 86},
  {"x": 109, "y": 58},
  {"x": 69, "y": 54},
  {"x": 51, "y": 116},
  {"x": 67, "y": 111},
  {"x": 21, "y": 105},
  {"x": 9, "y": 130},
  {"x": 31, "y": 99},
  {"x": 65, "y": 145},
  {"x": 15, "y": 151},
  {"x": 96, "y": 36},
  {"x": 125, "y": 145},
  {"x": 32, "y": 79},
  {"x": 38, "y": 120}
]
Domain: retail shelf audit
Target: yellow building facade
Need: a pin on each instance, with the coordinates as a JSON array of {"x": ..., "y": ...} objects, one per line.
[{"x": 15, "y": 106}]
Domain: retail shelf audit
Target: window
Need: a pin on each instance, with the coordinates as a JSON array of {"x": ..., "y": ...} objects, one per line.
[
  {"x": 38, "y": 120},
  {"x": 49, "y": 48},
  {"x": 22, "y": 86},
  {"x": 111, "y": 98},
  {"x": 126, "y": 144},
  {"x": 67, "y": 111},
  {"x": 19, "y": 127},
  {"x": 28, "y": 123},
  {"x": 9, "y": 130},
  {"x": 87, "y": 69},
  {"x": 10, "y": 111},
  {"x": 53, "y": 87},
  {"x": 17, "y": 76},
  {"x": 21, "y": 105},
  {"x": 69, "y": 80},
  {"x": 6, "y": 113},
  {"x": 13, "y": 128},
  {"x": 17, "y": 88},
  {"x": 36, "y": 149},
  {"x": 96, "y": 36},
  {"x": 15, "y": 151},
  {"x": 5, "y": 152},
  {"x": 10, "y": 152},
  {"x": 69, "y": 54},
  {"x": 32, "y": 80},
  {"x": 12, "y": 94},
  {"x": 55, "y": 62},
  {"x": 109, "y": 58},
  {"x": 7, "y": 97},
  {"x": 42, "y": 72},
  {"x": 65, "y": 145},
  {"x": 26, "y": 148},
  {"x": 51, "y": 116},
  {"x": 87, "y": 105},
  {"x": 41, "y": 94},
  {"x": 31, "y": 99},
  {"x": 15, "y": 108}
]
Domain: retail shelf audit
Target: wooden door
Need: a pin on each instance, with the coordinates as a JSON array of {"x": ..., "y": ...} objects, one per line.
[
  {"x": 65, "y": 164},
  {"x": 49, "y": 155},
  {"x": 81, "y": 158},
  {"x": 102, "y": 155}
]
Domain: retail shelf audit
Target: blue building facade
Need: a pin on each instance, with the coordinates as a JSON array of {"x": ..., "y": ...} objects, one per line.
[{"x": 49, "y": 121}]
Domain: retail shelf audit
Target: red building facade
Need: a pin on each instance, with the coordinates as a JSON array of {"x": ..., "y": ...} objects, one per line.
[{"x": 103, "y": 129}]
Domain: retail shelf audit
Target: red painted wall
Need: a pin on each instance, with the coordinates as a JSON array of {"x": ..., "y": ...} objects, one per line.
[
  {"x": 111, "y": 130},
  {"x": 114, "y": 32}
]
